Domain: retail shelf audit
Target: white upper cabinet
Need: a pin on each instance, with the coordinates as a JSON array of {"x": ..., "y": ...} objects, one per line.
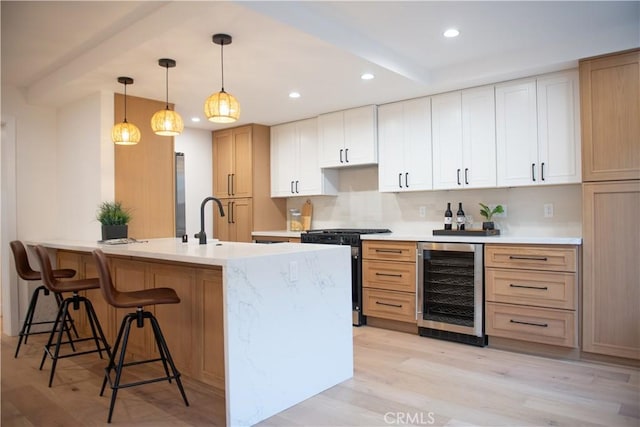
[
  {"x": 348, "y": 138},
  {"x": 404, "y": 145},
  {"x": 537, "y": 130},
  {"x": 464, "y": 139},
  {"x": 294, "y": 161}
]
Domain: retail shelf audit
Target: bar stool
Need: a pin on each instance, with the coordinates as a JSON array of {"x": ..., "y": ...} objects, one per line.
[
  {"x": 73, "y": 286},
  {"x": 137, "y": 299},
  {"x": 25, "y": 272}
]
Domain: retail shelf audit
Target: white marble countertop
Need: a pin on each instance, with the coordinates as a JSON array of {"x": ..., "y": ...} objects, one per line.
[
  {"x": 476, "y": 239},
  {"x": 502, "y": 239},
  {"x": 277, "y": 233},
  {"x": 172, "y": 249}
]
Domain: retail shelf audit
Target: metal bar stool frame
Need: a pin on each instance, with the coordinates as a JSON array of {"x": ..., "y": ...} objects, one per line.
[
  {"x": 27, "y": 273},
  {"x": 137, "y": 299},
  {"x": 73, "y": 286}
]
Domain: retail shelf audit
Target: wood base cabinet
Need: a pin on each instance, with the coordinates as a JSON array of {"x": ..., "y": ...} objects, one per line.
[
  {"x": 611, "y": 234},
  {"x": 389, "y": 280},
  {"x": 532, "y": 293}
]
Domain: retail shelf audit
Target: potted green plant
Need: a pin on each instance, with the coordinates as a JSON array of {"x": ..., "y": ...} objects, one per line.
[
  {"x": 114, "y": 219},
  {"x": 488, "y": 213}
]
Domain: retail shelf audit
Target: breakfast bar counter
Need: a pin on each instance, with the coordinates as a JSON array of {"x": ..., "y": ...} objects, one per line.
[{"x": 268, "y": 325}]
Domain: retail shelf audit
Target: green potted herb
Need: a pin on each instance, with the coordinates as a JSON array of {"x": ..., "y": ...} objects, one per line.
[
  {"x": 114, "y": 219},
  {"x": 488, "y": 213}
]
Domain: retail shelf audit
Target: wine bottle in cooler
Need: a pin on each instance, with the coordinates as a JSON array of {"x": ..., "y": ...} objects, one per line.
[
  {"x": 460, "y": 218},
  {"x": 448, "y": 217}
]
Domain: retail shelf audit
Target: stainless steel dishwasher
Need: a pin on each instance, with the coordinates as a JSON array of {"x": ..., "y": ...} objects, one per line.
[{"x": 450, "y": 301}]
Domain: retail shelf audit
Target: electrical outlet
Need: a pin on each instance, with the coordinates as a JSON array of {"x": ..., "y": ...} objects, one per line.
[
  {"x": 293, "y": 271},
  {"x": 548, "y": 210},
  {"x": 422, "y": 211}
]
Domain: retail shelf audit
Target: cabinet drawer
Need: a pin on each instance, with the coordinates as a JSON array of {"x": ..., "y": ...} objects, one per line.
[
  {"x": 561, "y": 258},
  {"x": 389, "y": 305},
  {"x": 544, "y": 289},
  {"x": 543, "y": 325},
  {"x": 392, "y": 276},
  {"x": 389, "y": 250}
]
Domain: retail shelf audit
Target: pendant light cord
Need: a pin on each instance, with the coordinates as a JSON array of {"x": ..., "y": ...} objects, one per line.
[
  {"x": 125, "y": 103},
  {"x": 222, "y": 63},
  {"x": 167, "y": 86}
]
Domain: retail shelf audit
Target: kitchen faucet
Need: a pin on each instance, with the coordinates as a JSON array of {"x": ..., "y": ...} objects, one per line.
[{"x": 202, "y": 235}]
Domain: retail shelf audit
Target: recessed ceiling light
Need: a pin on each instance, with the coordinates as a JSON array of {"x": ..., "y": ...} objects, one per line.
[
  {"x": 367, "y": 76},
  {"x": 451, "y": 32},
  {"x": 195, "y": 119},
  {"x": 294, "y": 95}
]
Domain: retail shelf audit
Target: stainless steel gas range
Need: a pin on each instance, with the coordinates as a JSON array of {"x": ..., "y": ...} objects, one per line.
[{"x": 351, "y": 237}]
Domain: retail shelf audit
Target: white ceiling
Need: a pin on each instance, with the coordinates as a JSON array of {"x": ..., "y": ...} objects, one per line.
[{"x": 58, "y": 52}]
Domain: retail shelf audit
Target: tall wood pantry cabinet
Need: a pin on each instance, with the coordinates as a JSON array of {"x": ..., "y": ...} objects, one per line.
[
  {"x": 241, "y": 180},
  {"x": 610, "y": 109}
]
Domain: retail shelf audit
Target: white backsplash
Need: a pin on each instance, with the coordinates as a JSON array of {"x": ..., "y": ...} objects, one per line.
[{"x": 359, "y": 204}]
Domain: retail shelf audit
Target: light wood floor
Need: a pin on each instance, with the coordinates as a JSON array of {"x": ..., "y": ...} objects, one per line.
[{"x": 400, "y": 379}]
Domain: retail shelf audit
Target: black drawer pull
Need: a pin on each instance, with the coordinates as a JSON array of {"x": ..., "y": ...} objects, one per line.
[
  {"x": 388, "y": 275},
  {"x": 390, "y": 305},
  {"x": 390, "y": 251},
  {"x": 529, "y": 258},
  {"x": 542, "y": 325},
  {"x": 542, "y": 288}
]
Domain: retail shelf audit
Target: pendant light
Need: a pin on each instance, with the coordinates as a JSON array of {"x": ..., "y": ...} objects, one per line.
[
  {"x": 125, "y": 133},
  {"x": 222, "y": 107},
  {"x": 166, "y": 122}
]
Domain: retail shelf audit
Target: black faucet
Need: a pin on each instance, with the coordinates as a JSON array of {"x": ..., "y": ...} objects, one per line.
[{"x": 202, "y": 235}]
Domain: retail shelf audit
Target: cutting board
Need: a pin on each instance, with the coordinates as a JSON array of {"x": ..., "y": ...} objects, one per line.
[{"x": 307, "y": 213}]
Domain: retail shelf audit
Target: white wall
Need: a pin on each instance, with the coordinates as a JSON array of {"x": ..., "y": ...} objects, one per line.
[
  {"x": 197, "y": 148},
  {"x": 359, "y": 204}
]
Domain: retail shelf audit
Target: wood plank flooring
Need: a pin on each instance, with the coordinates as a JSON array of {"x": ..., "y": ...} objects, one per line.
[{"x": 400, "y": 379}]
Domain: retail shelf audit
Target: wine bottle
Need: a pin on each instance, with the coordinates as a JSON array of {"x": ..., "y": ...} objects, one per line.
[
  {"x": 448, "y": 217},
  {"x": 460, "y": 219}
]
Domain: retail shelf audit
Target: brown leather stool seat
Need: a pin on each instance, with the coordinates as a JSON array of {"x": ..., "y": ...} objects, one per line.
[
  {"x": 73, "y": 286},
  {"x": 137, "y": 299},
  {"x": 25, "y": 272}
]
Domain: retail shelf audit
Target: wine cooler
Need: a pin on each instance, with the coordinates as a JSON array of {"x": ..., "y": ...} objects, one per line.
[{"x": 451, "y": 292}]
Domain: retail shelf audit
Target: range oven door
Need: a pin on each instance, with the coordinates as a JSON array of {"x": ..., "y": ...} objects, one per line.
[{"x": 450, "y": 288}]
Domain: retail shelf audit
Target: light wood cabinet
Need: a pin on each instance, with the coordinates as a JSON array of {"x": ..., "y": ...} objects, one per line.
[
  {"x": 144, "y": 173},
  {"x": 295, "y": 169},
  {"x": 241, "y": 180},
  {"x": 537, "y": 131},
  {"x": 404, "y": 146},
  {"x": 611, "y": 230},
  {"x": 464, "y": 139},
  {"x": 348, "y": 137},
  {"x": 531, "y": 293},
  {"x": 610, "y": 106},
  {"x": 389, "y": 280}
]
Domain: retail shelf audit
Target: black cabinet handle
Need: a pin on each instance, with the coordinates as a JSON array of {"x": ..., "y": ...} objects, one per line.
[
  {"x": 542, "y": 325},
  {"x": 233, "y": 184},
  {"x": 466, "y": 176},
  {"x": 346, "y": 155},
  {"x": 542, "y": 288},
  {"x": 400, "y": 180},
  {"x": 388, "y": 275},
  {"x": 529, "y": 258},
  {"x": 542, "y": 171},
  {"x": 406, "y": 179},
  {"x": 341, "y": 150},
  {"x": 292, "y": 192},
  {"x": 297, "y": 182},
  {"x": 229, "y": 213},
  {"x": 228, "y": 184},
  {"x": 533, "y": 172},
  {"x": 390, "y": 305},
  {"x": 390, "y": 251},
  {"x": 459, "y": 177}
]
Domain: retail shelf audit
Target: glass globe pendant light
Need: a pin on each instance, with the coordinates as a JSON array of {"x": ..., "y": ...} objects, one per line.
[
  {"x": 125, "y": 133},
  {"x": 222, "y": 107},
  {"x": 167, "y": 122}
]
